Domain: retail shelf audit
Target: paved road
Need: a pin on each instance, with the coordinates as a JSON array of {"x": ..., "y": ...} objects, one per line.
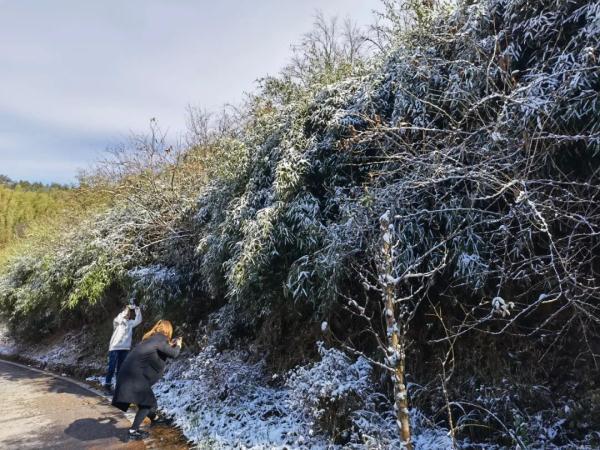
[{"x": 39, "y": 411}]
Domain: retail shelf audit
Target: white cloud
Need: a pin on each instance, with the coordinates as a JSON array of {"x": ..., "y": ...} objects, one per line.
[{"x": 104, "y": 68}]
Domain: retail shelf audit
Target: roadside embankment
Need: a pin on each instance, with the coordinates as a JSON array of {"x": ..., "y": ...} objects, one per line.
[{"x": 68, "y": 359}]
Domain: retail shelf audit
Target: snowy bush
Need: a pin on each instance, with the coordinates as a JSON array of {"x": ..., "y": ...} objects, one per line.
[
  {"x": 224, "y": 400},
  {"x": 331, "y": 391},
  {"x": 155, "y": 285},
  {"x": 227, "y": 400}
]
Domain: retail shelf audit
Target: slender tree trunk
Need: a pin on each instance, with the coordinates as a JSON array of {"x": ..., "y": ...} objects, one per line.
[{"x": 395, "y": 332}]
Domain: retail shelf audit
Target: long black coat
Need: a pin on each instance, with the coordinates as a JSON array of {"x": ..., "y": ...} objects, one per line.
[{"x": 143, "y": 367}]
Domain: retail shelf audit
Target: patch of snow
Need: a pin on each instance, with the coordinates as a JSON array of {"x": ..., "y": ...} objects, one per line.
[
  {"x": 226, "y": 400},
  {"x": 156, "y": 273},
  {"x": 7, "y": 345}
]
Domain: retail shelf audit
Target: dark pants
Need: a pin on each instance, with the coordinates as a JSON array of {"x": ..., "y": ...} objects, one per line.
[
  {"x": 115, "y": 359},
  {"x": 142, "y": 413}
]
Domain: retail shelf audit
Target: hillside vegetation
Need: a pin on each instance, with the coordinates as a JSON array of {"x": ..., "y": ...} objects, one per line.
[
  {"x": 426, "y": 199},
  {"x": 34, "y": 214},
  {"x": 23, "y": 203}
]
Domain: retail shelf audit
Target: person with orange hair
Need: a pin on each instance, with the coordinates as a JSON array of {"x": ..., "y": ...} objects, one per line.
[{"x": 142, "y": 368}]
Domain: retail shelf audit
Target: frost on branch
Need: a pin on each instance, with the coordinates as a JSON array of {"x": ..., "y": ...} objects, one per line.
[{"x": 155, "y": 285}]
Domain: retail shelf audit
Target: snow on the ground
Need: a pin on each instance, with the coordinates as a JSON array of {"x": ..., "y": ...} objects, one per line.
[
  {"x": 225, "y": 400},
  {"x": 64, "y": 353},
  {"x": 7, "y": 344},
  {"x": 220, "y": 399}
]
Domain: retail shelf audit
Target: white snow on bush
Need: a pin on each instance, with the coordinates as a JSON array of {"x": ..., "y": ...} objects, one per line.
[
  {"x": 224, "y": 400},
  {"x": 333, "y": 385},
  {"x": 227, "y": 400},
  {"x": 155, "y": 273}
]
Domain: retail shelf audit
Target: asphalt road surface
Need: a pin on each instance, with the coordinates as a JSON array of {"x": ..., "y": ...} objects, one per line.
[{"x": 40, "y": 411}]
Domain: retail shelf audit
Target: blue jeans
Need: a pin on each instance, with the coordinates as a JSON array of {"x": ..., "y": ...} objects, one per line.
[{"x": 115, "y": 359}]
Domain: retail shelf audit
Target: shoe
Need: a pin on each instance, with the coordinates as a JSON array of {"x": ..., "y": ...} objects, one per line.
[
  {"x": 137, "y": 435},
  {"x": 160, "y": 420},
  {"x": 108, "y": 388}
]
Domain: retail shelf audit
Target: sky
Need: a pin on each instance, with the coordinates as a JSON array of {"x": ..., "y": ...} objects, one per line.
[{"x": 77, "y": 77}]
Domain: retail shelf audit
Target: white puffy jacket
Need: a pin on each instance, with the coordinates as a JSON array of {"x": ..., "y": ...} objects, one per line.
[{"x": 123, "y": 329}]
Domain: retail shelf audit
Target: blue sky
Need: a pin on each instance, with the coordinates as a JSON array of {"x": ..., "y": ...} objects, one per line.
[{"x": 79, "y": 76}]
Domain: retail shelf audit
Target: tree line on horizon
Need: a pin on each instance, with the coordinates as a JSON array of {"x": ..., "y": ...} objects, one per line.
[
  {"x": 36, "y": 186},
  {"x": 23, "y": 202},
  {"x": 34, "y": 207}
]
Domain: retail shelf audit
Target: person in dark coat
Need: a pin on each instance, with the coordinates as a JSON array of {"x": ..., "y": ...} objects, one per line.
[{"x": 142, "y": 368}]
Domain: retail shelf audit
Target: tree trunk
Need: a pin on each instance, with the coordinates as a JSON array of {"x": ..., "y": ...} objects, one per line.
[{"x": 395, "y": 332}]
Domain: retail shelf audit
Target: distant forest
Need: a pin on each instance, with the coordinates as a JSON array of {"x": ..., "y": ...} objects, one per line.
[{"x": 23, "y": 203}]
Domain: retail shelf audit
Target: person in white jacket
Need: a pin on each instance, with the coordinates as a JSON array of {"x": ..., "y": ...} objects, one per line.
[{"x": 120, "y": 342}]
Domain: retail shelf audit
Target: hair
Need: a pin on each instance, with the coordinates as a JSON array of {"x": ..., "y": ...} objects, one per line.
[
  {"x": 130, "y": 313},
  {"x": 163, "y": 327}
]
